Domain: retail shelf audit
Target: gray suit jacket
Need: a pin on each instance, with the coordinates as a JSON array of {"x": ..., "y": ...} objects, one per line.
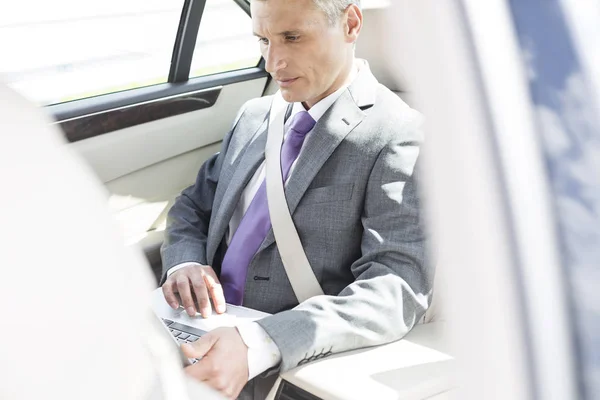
[{"x": 353, "y": 198}]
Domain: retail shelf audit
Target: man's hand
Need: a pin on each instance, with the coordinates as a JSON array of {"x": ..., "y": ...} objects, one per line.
[
  {"x": 195, "y": 280},
  {"x": 224, "y": 363}
]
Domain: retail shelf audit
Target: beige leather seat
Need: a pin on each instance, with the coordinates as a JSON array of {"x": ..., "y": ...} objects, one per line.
[{"x": 74, "y": 311}]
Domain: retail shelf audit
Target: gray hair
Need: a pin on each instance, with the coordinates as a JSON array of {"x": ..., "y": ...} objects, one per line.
[{"x": 333, "y": 9}]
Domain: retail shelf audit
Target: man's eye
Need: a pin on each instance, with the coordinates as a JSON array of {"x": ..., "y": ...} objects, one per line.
[
  {"x": 292, "y": 38},
  {"x": 263, "y": 40}
]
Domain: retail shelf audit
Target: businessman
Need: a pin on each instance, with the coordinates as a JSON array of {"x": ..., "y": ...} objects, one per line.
[{"x": 349, "y": 161}]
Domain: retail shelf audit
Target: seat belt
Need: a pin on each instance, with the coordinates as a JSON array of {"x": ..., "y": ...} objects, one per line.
[{"x": 298, "y": 269}]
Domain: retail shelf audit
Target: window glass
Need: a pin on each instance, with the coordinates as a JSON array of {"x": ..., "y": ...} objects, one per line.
[
  {"x": 225, "y": 40},
  {"x": 63, "y": 50},
  {"x": 566, "y": 105}
]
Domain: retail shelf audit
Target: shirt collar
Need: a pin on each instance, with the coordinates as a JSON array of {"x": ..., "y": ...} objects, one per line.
[{"x": 319, "y": 109}]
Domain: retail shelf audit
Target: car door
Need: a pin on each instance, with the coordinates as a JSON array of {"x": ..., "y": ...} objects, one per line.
[{"x": 144, "y": 90}]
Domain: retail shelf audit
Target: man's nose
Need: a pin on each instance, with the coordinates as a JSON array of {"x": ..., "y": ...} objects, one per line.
[{"x": 274, "y": 60}]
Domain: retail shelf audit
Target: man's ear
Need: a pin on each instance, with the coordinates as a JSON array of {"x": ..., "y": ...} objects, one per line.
[{"x": 353, "y": 23}]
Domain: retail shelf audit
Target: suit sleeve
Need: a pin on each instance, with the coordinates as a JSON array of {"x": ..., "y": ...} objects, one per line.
[
  {"x": 189, "y": 217},
  {"x": 393, "y": 280}
]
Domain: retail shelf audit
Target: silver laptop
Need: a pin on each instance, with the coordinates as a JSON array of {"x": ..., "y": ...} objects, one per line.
[{"x": 186, "y": 329}]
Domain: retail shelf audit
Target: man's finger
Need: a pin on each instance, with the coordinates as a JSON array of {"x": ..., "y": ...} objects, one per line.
[
  {"x": 209, "y": 373},
  {"x": 183, "y": 287},
  {"x": 202, "y": 371},
  {"x": 170, "y": 297},
  {"x": 201, "y": 294},
  {"x": 200, "y": 347},
  {"x": 216, "y": 291}
]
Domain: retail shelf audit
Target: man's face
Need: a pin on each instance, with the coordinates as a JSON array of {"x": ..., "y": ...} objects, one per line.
[{"x": 307, "y": 56}]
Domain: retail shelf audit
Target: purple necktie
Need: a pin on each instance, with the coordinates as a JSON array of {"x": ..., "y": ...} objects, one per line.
[{"x": 256, "y": 222}]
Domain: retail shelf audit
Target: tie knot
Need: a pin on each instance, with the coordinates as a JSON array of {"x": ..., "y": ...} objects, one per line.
[{"x": 302, "y": 123}]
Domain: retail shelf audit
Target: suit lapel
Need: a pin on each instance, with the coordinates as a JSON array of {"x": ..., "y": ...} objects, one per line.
[
  {"x": 240, "y": 172},
  {"x": 331, "y": 129},
  {"x": 341, "y": 118}
]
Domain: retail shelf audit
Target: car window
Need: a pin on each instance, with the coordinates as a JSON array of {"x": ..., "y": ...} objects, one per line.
[
  {"x": 225, "y": 41},
  {"x": 565, "y": 105},
  {"x": 64, "y": 50}
]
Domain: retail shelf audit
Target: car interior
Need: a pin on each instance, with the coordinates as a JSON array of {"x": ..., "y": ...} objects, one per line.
[
  {"x": 147, "y": 143},
  {"x": 146, "y": 155},
  {"x": 146, "y": 127}
]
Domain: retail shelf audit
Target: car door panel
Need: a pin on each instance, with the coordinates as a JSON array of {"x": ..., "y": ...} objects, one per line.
[
  {"x": 122, "y": 152},
  {"x": 145, "y": 166}
]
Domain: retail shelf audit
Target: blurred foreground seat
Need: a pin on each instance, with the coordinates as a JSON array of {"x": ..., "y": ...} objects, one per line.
[{"x": 74, "y": 315}]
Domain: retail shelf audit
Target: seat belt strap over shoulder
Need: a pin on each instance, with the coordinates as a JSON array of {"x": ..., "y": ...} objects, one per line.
[{"x": 298, "y": 269}]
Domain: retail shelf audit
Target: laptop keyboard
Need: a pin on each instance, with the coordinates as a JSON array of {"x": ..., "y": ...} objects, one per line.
[{"x": 183, "y": 333}]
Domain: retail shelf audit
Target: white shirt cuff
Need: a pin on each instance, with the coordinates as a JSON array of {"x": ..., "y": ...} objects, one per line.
[
  {"x": 179, "y": 266},
  {"x": 263, "y": 353}
]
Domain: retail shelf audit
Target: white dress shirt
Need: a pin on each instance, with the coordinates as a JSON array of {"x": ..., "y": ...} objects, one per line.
[{"x": 263, "y": 353}]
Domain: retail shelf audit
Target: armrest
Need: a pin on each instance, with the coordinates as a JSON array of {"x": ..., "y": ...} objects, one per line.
[{"x": 416, "y": 367}]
